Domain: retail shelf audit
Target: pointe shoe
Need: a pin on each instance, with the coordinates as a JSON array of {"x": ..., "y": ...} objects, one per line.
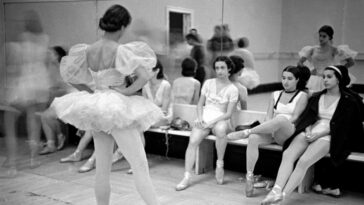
[
  {"x": 273, "y": 198},
  {"x": 332, "y": 192},
  {"x": 184, "y": 183},
  {"x": 249, "y": 186},
  {"x": 74, "y": 157},
  {"x": 239, "y": 135},
  {"x": 317, "y": 188},
  {"x": 34, "y": 163},
  {"x": 219, "y": 175},
  {"x": 61, "y": 141},
  {"x": 117, "y": 156},
  {"x": 88, "y": 166},
  {"x": 47, "y": 150},
  {"x": 130, "y": 171}
]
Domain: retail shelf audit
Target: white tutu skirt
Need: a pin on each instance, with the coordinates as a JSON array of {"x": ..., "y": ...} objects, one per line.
[{"x": 106, "y": 111}]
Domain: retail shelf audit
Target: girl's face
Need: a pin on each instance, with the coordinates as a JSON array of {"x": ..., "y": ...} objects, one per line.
[
  {"x": 289, "y": 81},
  {"x": 330, "y": 80},
  {"x": 221, "y": 70},
  {"x": 323, "y": 38}
]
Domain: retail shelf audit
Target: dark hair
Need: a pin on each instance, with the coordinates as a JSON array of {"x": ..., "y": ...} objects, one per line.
[
  {"x": 114, "y": 18},
  {"x": 328, "y": 30},
  {"x": 305, "y": 74},
  {"x": 189, "y": 67},
  {"x": 243, "y": 42},
  {"x": 337, "y": 75},
  {"x": 61, "y": 52},
  {"x": 238, "y": 62},
  {"x": 345, "y": 81},
  {"x": 228, "y": 61},
  {"x": 32, "y": 22},
  {"x": 300, "y": 74},
  {"x": 192, "y": 37},
  {"x": 159, "y": 66}
]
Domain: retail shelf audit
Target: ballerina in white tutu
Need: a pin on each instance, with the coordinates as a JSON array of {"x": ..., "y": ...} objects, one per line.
[
  {"x": 112, "y": 111},
  {"x": 325, "y": 54}
]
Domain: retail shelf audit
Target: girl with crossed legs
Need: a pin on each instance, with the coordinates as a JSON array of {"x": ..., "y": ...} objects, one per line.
[
  {"x": 284, "y": 108},
  {"x": 329, "y": 121},
  {"x": 220, "y": 97}
]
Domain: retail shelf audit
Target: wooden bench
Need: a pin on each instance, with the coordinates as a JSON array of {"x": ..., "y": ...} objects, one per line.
[{"x": 204, "y": 156}]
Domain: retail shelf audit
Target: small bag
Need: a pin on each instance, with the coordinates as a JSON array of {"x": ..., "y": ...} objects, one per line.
[
  {"x": 249, "y": 126},
  {"x": 180, "y": 124}
]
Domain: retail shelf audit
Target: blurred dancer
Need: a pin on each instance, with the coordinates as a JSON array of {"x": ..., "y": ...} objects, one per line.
[{"x": 27, "y": 88}]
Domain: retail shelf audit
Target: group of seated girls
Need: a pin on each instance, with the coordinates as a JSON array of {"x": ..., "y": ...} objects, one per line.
[{"x": 308, "y": 125}]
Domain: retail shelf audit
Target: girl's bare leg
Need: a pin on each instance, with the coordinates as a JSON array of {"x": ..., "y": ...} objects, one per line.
[
  {"x": 314, "y": 152},
  {"x": 130, "y": 143},
  {"x": 104, "y": 144}
]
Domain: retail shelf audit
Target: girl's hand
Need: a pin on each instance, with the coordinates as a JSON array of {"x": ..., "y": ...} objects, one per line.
[
  {"x": 200, "y": 124},
  {"x": 208, "y": 126},
  {"x": 310, "y": 137}
]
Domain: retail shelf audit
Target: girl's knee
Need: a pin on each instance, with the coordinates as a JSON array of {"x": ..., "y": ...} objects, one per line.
[{"x": 220, "y": 129}]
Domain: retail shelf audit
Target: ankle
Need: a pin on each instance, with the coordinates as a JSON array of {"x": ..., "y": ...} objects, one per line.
[
  {"x": 187, "y": 175},
  {"x": 219, "y": 164}
]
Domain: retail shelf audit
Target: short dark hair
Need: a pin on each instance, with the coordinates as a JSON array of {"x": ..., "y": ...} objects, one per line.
[
  {"x": 61, "y": 52},
  {"x": 228, "y": 61},
  {"x": 328, "y": 30},
  {"x": 159, "y": 66},
  {"x": 114, "y": 18},
  {"x": 238, "y": 62},
  {"x": 189, "y": 67},
  {"x": 192, "y": 37},
  {"x": 344, "y": 75},
  {"x": 243, "y": 42}
]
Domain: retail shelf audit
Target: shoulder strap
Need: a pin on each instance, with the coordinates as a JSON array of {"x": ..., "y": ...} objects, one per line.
[
  {"x": 294, "y": 96},
  {"x": 279, "y": 97}
]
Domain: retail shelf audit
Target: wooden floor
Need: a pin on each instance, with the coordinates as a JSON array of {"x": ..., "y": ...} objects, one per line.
[{"x": 54, "y": 183}]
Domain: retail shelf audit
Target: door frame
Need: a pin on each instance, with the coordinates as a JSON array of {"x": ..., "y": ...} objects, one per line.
[{"x": 176, "y": 10}]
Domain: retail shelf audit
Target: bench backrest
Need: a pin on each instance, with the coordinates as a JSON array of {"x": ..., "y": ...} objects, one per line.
[{"x": 240, "y": 117}]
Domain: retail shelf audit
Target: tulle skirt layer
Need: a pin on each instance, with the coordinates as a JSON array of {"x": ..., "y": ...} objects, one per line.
[{"x": 106, "y": 111}]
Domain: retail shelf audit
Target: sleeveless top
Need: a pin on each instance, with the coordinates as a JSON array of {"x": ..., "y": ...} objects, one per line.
[{"x": 285, "y": 110}]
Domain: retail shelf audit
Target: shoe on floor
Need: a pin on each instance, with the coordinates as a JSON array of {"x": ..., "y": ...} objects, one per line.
[
  {"x": 88, "y": 166},
  {"x": 47, "y": 150},
  {"x": 332, "y": 192},
  {"x": 74, "y": 157}
]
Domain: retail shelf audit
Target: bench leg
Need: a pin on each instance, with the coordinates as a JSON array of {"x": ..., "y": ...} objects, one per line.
[
  {"x": 307, "y": 181},
  {"x": 204, "y": 157}
]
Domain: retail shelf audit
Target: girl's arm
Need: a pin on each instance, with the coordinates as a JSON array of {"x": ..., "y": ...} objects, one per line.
[
  {"x": 200, "y": 123},
  {"x": 166, "y": 99},
  {"x": 142, "y": 79},
  {"x": 301, "y": 61},
  {"x": 82, "y": 87},
  {"x": 349, "y": 62},
  {"x": 243, "y": 98},
  {"x": 225, "y": 116},
  {"x": 300, "y": 107},
  {"x": 270, "y": 109},
  {"x": 196, "y": 93}
]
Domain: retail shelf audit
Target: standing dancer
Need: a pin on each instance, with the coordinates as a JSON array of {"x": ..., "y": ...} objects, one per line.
[
  {"x": 323, "y": 55},
  {"x": 112, "y": 111}
]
